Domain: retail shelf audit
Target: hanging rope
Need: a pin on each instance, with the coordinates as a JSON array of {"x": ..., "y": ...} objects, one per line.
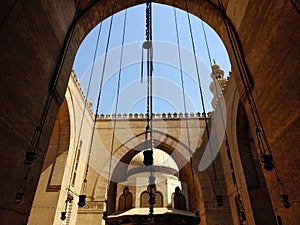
[
  {"x": 147, "y": 46},
  {"x": 33, "y": 148},
  {"x": 184, "y": 100},
  {"x": 117, "y": 101},
  {"x": 148, "y": 152},
  {"x": 74, "y": 155},
  {"x": 88, "y": 92},
  {"x": 97, "y": 107},
  {"x": 148, "y": 20},
  {"x": 202, "y": 102},
  {"x": 266, "y": 158},
  {"x": 205, "y": 36},
  {"x": 242, "y": 213}
]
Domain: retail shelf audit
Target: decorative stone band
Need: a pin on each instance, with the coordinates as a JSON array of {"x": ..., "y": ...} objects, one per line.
[
  {"x": 161, "y": 169},
  {"x": 92, "y": 207},
  {"x": 154, "y": 116}
]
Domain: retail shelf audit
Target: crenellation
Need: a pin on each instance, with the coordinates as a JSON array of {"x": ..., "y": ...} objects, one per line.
[
  {"x": 88, "y": 103},
  {"x": 142, "y": 116}
]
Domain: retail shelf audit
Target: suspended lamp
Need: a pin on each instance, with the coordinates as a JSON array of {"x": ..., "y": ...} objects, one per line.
[
  {"x": 81, "y": 201},
  {"x": 148, "y": 157},
  {"x": 219, "y": 199},
  {"x": 267, "y": 161},
  {"x": 284, "y": 197},
  {"x": 34, "y": 149},
  {"x": 19, "y": 197},
  {"x": 29, "y": 158},
  {"x": 285, "y": 200},
  {"x": 240, "y": 209},
  {"x": 148, "y": 147},
  {"x": 266, "y": 158},
  {"x": 217, "y": 190},
  {"x": 216, "y": 187},
  {"x": 148, "y": 153},
  {"x": 63, "y": 215},
  {"x": 147, "y": 46},
  {"x": 82, "y": 197}
]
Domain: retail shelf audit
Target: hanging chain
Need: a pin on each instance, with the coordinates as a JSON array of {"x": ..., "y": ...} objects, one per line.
[
  {"x": 184, "y": 100},
  {"x": 87, "y": 96},
  {"x": 202, "y": 102},
  {"x": 242, "y": 214},
  {"x": 264, "y": 145},
  {"x": 82, "y": 196},
  {"x": 78, "y": 144},
  {"x": 147, "y": 45},
  {"x": 265, "y": 150},
  {"x": 116, "y": 107},
  {"x": 33, "y": 148},
  {"x": 148, "y": 20}
]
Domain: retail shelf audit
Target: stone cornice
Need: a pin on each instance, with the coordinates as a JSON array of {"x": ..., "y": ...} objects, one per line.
[{"x": 142, "y": 116}]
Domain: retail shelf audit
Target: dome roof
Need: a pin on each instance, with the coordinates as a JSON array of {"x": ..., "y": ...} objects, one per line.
[
  {"x": 217, "y": 72},
  {"x": 160, "y": 158}
]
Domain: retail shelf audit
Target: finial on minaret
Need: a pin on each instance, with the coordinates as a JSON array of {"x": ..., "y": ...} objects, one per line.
[{"x": 218, "y": 82}]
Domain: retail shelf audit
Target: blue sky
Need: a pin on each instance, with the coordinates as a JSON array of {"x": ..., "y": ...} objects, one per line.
[{"x": 167, "y": 90}]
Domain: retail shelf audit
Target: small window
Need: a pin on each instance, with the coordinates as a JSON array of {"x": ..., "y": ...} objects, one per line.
[
  {"x": 125, "y": 200},
  {"x": 179, "y": 200},
  {"x": 144, "y": 199},
  {"x": 76, "y": 163}
]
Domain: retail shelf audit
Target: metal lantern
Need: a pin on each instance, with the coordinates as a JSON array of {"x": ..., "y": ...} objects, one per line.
[
  {"x": 81, "y": 201},
  {"x": 19, "y": 198},
  {"x": 243, "y": 215},
  {"x": 63, "y": 216},
  {"x": 219, "y": 199},
  {"x": 267, "y": 161},
  {"x": 285, "y": 200},
  {"x": 29, "y": 158},
  {"x": 148, "y": 158}
]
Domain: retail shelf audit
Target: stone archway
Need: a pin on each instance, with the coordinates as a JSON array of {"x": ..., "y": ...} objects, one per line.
[
  {"x": 51, "y": 179},
  {"x": 33, "y": 40},
  {"x": 120, "y": 173},
  {"x": 261, "y": 205}
]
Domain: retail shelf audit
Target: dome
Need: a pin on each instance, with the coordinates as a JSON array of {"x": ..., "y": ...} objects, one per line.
[
  {"x": 215, "y": 67},
  {"x": 160, "y": 158},
  {"x": 217, "y": 72}
]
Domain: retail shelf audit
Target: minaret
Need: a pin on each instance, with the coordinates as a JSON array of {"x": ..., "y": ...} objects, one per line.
[{"x": 216, "y": 86}]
